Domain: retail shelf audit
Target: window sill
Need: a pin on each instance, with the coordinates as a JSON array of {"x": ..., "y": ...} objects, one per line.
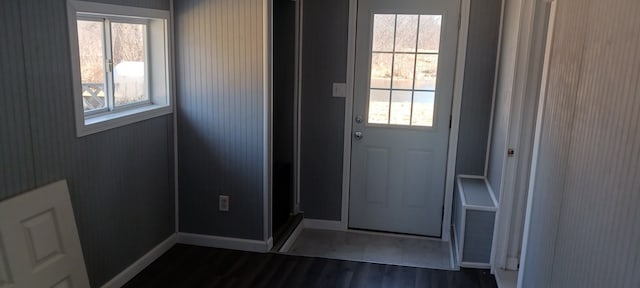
[{"x": 118, "y": 119}]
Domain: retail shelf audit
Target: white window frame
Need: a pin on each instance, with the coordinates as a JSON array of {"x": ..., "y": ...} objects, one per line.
[{"x": 158, "y": 60}]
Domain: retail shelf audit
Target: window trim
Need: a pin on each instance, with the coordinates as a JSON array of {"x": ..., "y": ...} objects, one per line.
[{"x": 161, "y": 100}]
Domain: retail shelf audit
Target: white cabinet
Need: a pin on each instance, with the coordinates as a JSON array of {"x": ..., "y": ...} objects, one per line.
[{"x": 474, "y": 212}]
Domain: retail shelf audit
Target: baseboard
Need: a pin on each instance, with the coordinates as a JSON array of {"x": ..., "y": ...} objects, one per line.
[
  {"x": 225, "y": 242},
  {"x": 513, "y": 263},
  {"x": 292, "y": 238},
  {"x": 454, "y": 242},
  {"x": 269, "y": 244},
  {"x": 453, "y": 250},
  {"x": 323, "y": 224},
  {"x": 475, "y": 265},
  {"x": 127, "y": 274},
  {"x": 506, "y": 279}
]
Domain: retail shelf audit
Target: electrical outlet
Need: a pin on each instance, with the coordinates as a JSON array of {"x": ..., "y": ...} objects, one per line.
[{"x": 223, "y": 203}]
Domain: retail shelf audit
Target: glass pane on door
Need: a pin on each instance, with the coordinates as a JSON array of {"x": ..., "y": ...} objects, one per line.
[{"x": 404, "y": 69}]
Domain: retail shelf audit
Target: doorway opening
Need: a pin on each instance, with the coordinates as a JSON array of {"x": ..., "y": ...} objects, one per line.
[{"x": 284, "y": 201}]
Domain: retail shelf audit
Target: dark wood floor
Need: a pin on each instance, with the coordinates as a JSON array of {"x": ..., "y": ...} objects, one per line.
[{"x": 191, "y": 266}]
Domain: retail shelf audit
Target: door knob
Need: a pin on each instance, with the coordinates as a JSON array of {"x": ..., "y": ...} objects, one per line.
[{"x": 358, "y": 135}]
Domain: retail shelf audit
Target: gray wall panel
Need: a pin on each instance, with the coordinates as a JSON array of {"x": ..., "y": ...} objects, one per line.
[
  {"x": 16, "y": 155},
  {"x": 324, "y": 62},
  {"x": 478, "y": 236},
  {"x": 324, "y": 52},
  {"x": 220, "y": 114},
  {"x": 598, "y": 231},
  {"x": 120, "y": 180},
  {"x": 153, "y": 4},
  {"x": 555, "y": 143},
  {"x": 477, "y": 93}
]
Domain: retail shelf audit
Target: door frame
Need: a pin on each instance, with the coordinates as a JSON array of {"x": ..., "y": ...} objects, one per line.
[
  {"x": 465, "y": 6},
  {"x": 267, "y": 176},
  {"x": 535, "y": 23},
  {"x": 537, "y": 139}
]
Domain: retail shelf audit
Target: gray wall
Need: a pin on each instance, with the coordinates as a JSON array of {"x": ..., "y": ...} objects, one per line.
[
  {"x": 584, "y": 229},
  {"x": 219, "y": 54},
  {"x": 324, "y": 62},
  {"x": 120, "y": 180},
  {"x": 477, "y": 93}
]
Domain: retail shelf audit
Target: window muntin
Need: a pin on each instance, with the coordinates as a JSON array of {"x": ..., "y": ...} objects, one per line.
[{"x": 404, "y": 66}]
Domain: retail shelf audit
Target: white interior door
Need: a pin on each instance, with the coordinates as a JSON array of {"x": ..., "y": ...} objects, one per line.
[
  {"x": 39, "y": 244},
  {"x": 405, "y": 65}
]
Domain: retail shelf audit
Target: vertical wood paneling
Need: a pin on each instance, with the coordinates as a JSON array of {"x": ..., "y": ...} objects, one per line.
[
  {"x": 16, "y": 156},
  {"x": 120, "y": 180},
  {"x": 584, "y": 229},
  {"x": 599, "y": 228},
  {"x": 558, "y": 118},
  {"x": 220, "y": 101}
]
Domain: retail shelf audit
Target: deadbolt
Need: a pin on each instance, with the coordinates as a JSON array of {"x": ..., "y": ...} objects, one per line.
[{"x": 359, "y": 119}]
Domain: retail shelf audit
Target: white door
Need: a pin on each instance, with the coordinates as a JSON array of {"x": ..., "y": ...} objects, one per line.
[
  {"x": 39, "y": 244},
  {"x": 405, "y": 60}
]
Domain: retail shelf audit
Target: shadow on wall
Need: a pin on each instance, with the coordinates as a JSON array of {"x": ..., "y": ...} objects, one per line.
[{"x": 219, "y": 63}]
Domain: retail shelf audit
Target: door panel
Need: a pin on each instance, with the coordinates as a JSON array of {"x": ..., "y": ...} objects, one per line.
[
  {"x": 405, "y": 56},
  {"x": 39, "y": 244},
  {"x": 377, "y": 175},
  {"x": 418, "y": 174}
]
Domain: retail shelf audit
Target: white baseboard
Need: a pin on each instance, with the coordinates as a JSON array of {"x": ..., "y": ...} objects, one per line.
[
  {"x": 269, "y": 244},
  {"x": 475, "y": 265},
  {"x": 454, "y": 243},
  {"x": 135, "y": 268},
  {"x": 225, "y": 242},
  {"x": 512, "y": 263},
  {"x": 292, "y": 238},
  {"x": 323, "y": 224},
  {"x": 506, "y": 279}
]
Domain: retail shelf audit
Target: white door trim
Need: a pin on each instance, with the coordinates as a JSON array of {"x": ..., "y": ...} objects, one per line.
[
  {"x": 536, "y": 142},
  {"x": 267, "y": 165},
  {"x": 348, "y": 113},
  {"x": 297, "y": 103},
  {"x": 526, "y": 77},
  {"x": 455, "y": 114}
]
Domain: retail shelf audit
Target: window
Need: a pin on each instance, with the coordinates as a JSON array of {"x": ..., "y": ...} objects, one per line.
[
  {"x": 404, "y": 67},
  {"x": 121, "y": 62}
]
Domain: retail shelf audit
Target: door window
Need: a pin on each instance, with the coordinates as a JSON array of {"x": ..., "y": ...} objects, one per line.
[{"x": 404, "y": 66}]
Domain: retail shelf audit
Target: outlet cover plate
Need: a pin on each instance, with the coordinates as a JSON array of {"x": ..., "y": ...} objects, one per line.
[{"x": 223, "y": 203}]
